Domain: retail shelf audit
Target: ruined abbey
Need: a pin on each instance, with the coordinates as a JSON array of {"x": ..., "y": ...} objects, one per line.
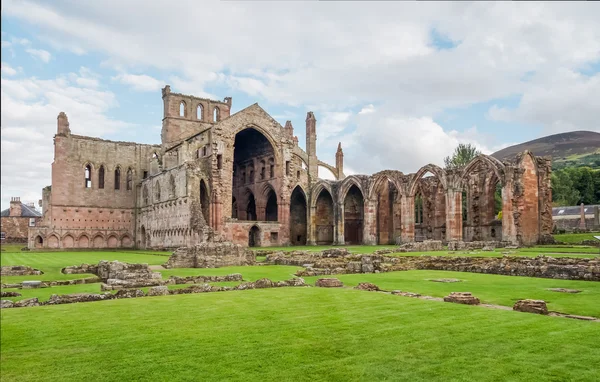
[{"x": 243, "y": 178}]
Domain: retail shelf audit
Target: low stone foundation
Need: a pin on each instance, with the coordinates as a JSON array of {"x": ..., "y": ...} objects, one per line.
[
  {"x": 317, "y": 264},
  {"x": 472, "y": 245},
  {"x": 423, "y": 246},
  {"x": 46, "y": 284},
  {"x": 205, "y": 279},
  {"x": 79, "y": 269},
  {"x": 19, "y": 270},
  {"x": 531, "y": 306},
  {"x": 462, "y": 298},
  {"x": 329, "y": 283},
  {"x": 211, "y": 255}
]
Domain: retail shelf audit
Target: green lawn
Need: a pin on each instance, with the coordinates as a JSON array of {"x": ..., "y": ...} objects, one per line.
[
  {"x": 491, "y": 289},
  {"x": 52, "y": 262},
  {"x": 292, "y": 334},
  {"x": 576, "y": 238}
]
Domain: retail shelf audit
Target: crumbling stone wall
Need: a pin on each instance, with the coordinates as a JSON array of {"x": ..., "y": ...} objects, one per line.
[
  {"x": 19, "y": 270},
  {"x": 211, "y": 255},
  {"x": 544, "y": 267}
]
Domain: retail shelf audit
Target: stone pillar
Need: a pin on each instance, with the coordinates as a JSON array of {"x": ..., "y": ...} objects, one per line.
[
  {"x": 311, "y": 229},
  {"x": 370, "y": 222},
  {"x": 454, "y": 222},
  {"x": 582, "y": 221},
  {"x": 397, "y": 219},
  {"x": 509, "y": 229},
  {"x": 407, "y": 218},
  {"x": 338, "y": 225},
  {"x": 283, "y": 212},
  {"x": 596, "y": 217}
]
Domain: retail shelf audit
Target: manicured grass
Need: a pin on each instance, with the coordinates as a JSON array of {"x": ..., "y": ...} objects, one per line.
[
  {"x": 576, "y": 238},
  {"x": 491, "y": 289},
  {"x": 52, "y": 262},
  {"x": 292, "y": 334}
]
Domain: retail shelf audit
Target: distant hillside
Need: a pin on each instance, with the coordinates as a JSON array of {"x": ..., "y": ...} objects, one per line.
[{"x": 567, "y": 149}]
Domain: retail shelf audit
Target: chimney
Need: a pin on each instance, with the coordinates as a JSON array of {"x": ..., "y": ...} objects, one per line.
[{"x": 15, "y": 206}]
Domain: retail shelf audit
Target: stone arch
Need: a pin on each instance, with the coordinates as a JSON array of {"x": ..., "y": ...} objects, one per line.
[
  {"x": 490, "y": 162},
  {"x": 271, "y": 213},
  {"x": 347, "y": 183},
  {"x": 88, "y": 169},
  {"x": 129, "y": 179},
  {"x": 377, "y": 180},
  {"x": 353, "y": 215},
  {"x": 264, "y": 132},
  {"x": 143, "y": 237},
  {"x": 384, "y": 191},
  {"x": 200, "y": 112},
  {"x": 526, "y": 193},
  {"x": 316, "y": 191},
  {"x": 126, "y": 241},
  {"x": 254, "y": 236},
  {"x": 112, "y": 241},
  {"x": 435, "y": 170},
  {"x": 98, "y": 241},
  {"x": 52, "y": 241},
  {"x": 204, "y": 201},
  {"x": 68, "y": 241},
  {"x": 101, "y": 176},
  {"x": 298, "y": 216},
  {"x": 118, "y": 177},
  {"x": 172, "y": 187},
  {"x": 39, "y": 241},
  {"x": 251, "y": 206},
  {"x": 324, "y": 217},
  {"x": 182, "y": 109},
  {"x": 83, "y": 241},
  {"x": 216, "y": 114}
]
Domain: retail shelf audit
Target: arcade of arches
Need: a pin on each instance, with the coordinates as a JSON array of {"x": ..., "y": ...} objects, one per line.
[{"x": 244, "y": 178}]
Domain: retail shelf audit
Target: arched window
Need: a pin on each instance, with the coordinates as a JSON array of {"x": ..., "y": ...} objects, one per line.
[
  {"x": 418, "y": 209},
  {"x": 101, "y": 177},
  {"x": 171, "y": 186},
  {"x": 117, "y": 178},
  {"x": 145, "y": 195},
  {"x": 88, "y": 176},
  {"x": 271, "y": 168},
  {"x": 129, "y": 180},
  {"x": 263, "y": 169},
  {"x": 216, "y": 114},
  {"x": 157, "y": 191},
  {"x": 199, "y": 112},
  {"x": 182, "y": 109}
]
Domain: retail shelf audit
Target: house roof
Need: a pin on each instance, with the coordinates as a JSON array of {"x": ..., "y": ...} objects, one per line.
[
  {"x": 573, "y": 210},
  {"x": 26, "y": 212}
]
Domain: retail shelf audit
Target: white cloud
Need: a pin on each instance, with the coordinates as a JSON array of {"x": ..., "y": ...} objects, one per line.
[
  {"x": 142, "y": 82},
  {"x": 40, "y": 54},
  {"x": 8, "y": 70},
  {"x": 29, "y": 110}
]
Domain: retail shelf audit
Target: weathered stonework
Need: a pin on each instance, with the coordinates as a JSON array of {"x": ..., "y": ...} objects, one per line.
[
  {"x": 368, "y": 287},
  {"x": 80, "y": 269},
  {"x": 243, "y": 178},
  {"x": 205, "y": 279},
  {"x": 9, "y": 294},
  {"x": 531, "y": 306},
  {"x": 211, "y": 255},
  {"x": 541, "y": 266},
  {"x": 329, "y": 283},
  {"x": 462, "y": 298},
  {"x": 19, "y": 270}
]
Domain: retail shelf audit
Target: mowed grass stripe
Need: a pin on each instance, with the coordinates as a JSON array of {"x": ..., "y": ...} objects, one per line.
[{"x": 298, "y": 334}]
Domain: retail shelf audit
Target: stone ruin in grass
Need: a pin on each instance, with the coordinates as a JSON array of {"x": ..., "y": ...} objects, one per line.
[
  {"x": 19, "y": 270},
  {"x": 211, "y": 255}
]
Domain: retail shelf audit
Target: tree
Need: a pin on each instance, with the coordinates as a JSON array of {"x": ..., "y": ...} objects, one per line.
[
  {"x": 563, "y": 190},
  {"x": 462, "y": 155}
]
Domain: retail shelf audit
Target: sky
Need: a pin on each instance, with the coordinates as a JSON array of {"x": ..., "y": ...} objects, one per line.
[{"x": 399, "y": 84}]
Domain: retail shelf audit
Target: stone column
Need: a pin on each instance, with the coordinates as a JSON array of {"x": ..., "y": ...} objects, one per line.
[
  {"x": 370, "y": 222},
  {"x": 407, "y": 218},
  {"x": 582, "y": 221},
  {"x": 509, "y": 229},
  {"x": 283, "y": 212},
  {"x": 311, "y": 229},
  {"x": 397, "y": 219},
  {"x": 338, "y": 224},
  {"x": 454, "y": 222}
]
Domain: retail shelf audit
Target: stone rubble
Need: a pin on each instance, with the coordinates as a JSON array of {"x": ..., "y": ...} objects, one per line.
[
  {"x": 10, "y": 294},
  {"x": 211, "y": 255},
  {"x": 462, "y": 298},
  {"x": 531, "y": 306},
  {"x": 19, "y": 270},
  {"x": 6, "y": 304},
  {"x": 563, "y": 290},
  {"x": 329, "y": 283},
  {"x": 368, "y": 287}
]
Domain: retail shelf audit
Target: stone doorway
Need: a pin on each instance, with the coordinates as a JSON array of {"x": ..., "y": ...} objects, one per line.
[{"x": 254, "y": 237}]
